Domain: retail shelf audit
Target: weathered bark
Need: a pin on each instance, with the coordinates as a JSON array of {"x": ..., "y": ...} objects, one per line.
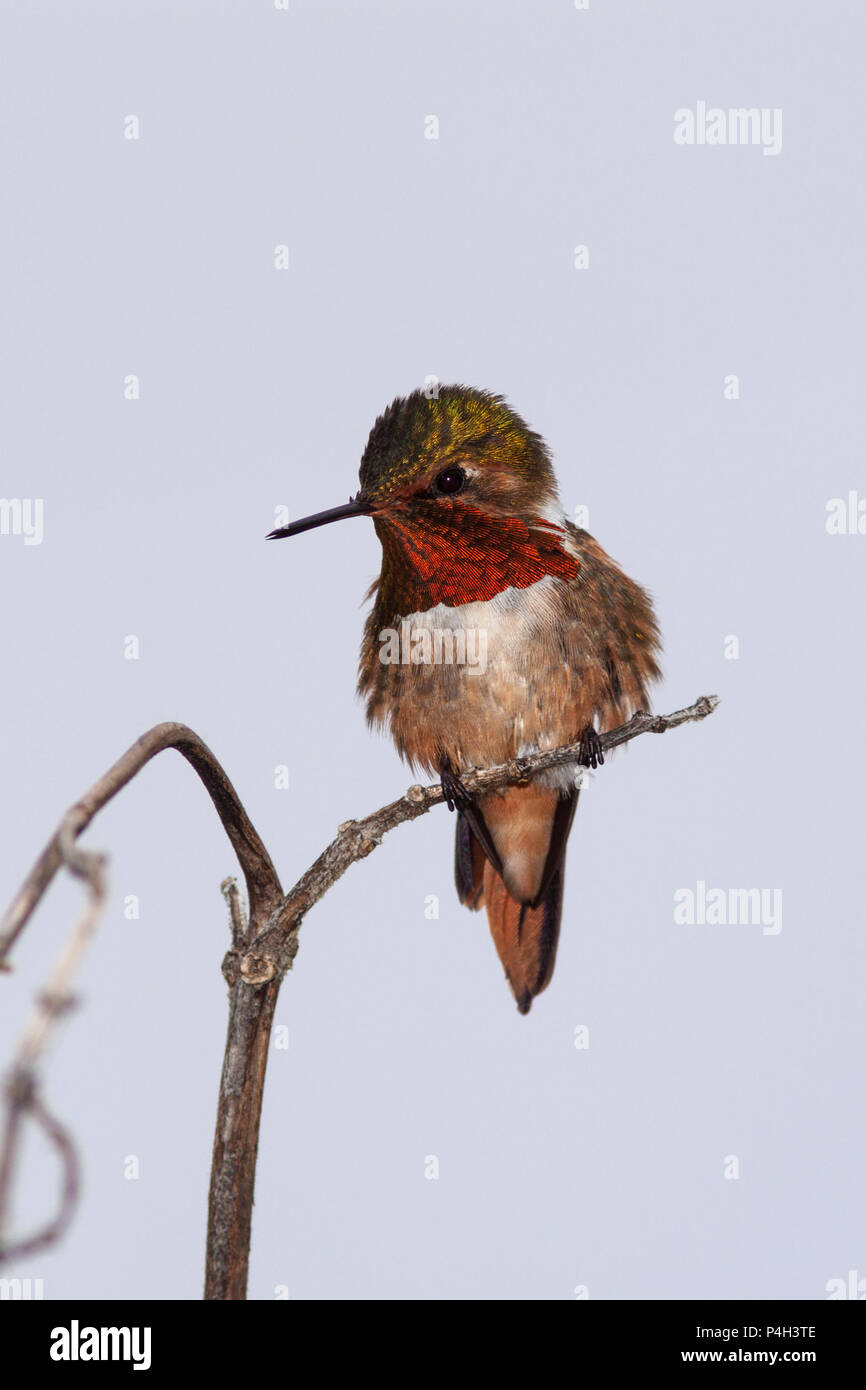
[{"x": 236, "y": 1140}]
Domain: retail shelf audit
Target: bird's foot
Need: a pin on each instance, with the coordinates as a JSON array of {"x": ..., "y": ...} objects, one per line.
[
  {"x": 591, "y": 754},
  {"x": 456, "y": 796}
]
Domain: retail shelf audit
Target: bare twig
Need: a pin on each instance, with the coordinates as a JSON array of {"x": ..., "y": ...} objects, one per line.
[
  {"x": 26, "y": 1102},
  {"x": 262, "y": 950},
  {"x": 237, "y": 918},
  {"x": 272, "y": 950},
  {"x": 21, "y": 1089}
]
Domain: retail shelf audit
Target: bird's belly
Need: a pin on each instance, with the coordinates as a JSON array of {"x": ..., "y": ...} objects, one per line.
[{"x": 481, "y": 682}]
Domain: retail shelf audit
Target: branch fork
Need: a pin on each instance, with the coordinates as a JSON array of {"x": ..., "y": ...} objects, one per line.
[{"x": 263, "y": 947}]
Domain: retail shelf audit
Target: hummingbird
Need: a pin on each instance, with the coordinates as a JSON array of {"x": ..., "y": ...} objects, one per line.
[{"x": 498, "y": 628}]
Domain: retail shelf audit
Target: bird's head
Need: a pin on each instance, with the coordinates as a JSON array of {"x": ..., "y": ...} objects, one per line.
[{"x": 463, "y": 498}]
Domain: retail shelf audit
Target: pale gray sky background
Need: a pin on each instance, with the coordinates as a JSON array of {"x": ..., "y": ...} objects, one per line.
[{"x": 558, "y": 1167}]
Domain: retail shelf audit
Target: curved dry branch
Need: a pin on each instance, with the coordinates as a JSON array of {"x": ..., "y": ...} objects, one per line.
[
  {"x": 24, "y": 1101},
  {"x": 263, "y": 885},
  {"x": 21, "y": 1090},
  {"x": 22, "y": 1096},
  {"x": 262, "y": 950}
]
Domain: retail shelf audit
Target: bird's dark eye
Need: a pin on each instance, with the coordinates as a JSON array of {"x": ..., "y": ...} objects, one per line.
[{"x": 450, "y": 481}]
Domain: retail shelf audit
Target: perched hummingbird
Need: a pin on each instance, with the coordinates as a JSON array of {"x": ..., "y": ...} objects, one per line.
[{"x": 477, "y": 556}]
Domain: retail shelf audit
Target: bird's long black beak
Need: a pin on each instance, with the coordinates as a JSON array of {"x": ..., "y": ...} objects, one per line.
[{"x": 354, "y": 507}]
